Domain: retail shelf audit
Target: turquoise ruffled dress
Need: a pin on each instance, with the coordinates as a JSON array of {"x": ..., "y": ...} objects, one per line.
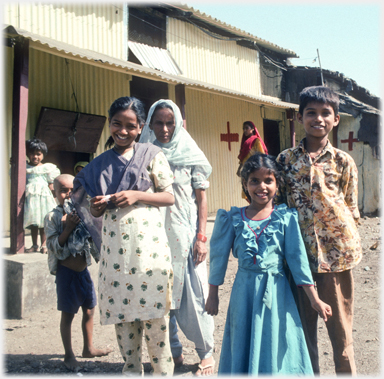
[{"x": 263, "y": 333}]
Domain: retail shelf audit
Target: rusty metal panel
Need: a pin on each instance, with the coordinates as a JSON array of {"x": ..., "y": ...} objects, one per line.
[
  {"x": 94, "y": 26},
  {"x": 69, "y": 130},
  {"x": 207, "y": 59},
  {"x": 55, "y": 81}
]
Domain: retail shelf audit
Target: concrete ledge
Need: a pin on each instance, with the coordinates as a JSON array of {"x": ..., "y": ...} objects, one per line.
[
  {"x": 28, "y": 285},
  {"x": 30, "y": 288}
]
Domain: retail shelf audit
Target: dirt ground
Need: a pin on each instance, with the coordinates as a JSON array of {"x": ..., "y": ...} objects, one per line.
[{"x": 33, "y": 345}]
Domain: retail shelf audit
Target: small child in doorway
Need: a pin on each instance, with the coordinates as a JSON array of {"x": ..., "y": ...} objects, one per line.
[
  {"x": 69, "y": 253},
  {"x": 321, "y": 182},
  {"x": 79, "y": 166},
  {"x": 263, "y": 333},
  {"x": 38, "y": 192}
]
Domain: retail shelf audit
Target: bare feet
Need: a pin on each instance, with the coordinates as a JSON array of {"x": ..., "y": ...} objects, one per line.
[
  {"x": 178, "y": 361},
  {"x": 72, "y": 364},
  {"x": 92, "y": 353},
  {"x": 206, "y": 367},
  {"x": 32, "y": 249}
]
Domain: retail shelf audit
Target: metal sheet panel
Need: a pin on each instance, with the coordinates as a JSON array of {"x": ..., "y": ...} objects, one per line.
[
  {"x": 207, "y": 59},
  {"x": 229, "y": 28},
  {"x": 52, "y": 81},
  {"x": 154, "y": 57},
  {"x": 104, "y": 61},
  {"x": 94, "y": 26}
]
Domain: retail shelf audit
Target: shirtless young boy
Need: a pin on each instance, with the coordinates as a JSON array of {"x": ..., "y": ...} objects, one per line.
[{"x": 69, "y": 262}]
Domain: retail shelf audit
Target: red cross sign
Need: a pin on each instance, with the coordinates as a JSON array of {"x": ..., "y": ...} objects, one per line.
[
  {"x": 229, "y": 137},
  {"x": 350, "y": 141}
]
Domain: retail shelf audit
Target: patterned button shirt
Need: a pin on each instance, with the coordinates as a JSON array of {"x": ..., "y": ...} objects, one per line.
[{"x": 324, "y": 191}]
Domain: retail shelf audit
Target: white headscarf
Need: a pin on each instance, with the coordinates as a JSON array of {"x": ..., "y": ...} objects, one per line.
[{"x": 181, "y": 150}]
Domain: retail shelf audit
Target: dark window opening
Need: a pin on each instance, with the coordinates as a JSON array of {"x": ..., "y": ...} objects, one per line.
[
  {"x": 147, "y": 26},
  {"x": 148, "y": 91},
  {"x": 272, "y": 136}
]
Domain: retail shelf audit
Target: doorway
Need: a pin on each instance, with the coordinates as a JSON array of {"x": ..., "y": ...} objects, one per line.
[
  {"x": 148, "y": 91},
  {"x": 272, "y": 136}
]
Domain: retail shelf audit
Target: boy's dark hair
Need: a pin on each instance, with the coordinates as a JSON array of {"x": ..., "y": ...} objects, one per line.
[
  {"x": 258, "y": 161},
  {"x": 122, "y": 104},
  {"x": 36, "y": 144},
  {"x": 319, "y": 94}
]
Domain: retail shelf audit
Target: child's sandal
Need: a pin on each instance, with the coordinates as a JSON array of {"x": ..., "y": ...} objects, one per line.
[
  {"x": 43, "y": 250},
  {"x": 33, "y": 249}
]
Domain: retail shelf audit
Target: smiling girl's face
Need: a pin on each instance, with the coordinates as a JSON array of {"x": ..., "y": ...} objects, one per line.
[
  {"x": 124, "y": 128},
  {"x": 35, "y": 158},
  {"x": 261, "y": 186}
]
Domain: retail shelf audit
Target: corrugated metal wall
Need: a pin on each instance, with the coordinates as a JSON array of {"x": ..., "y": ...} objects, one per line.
[
  {"x": 95, "y": 26},
  {"x": 207, "y": 59},
  {"x": 207, "y": 116},
  {"x": 368, "y": 166}
]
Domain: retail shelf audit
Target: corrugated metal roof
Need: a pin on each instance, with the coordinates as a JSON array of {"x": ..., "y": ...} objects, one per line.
[
  {"x": 242, "y": 33},
  {"x": 154, "y": 57},
  {"x": 135, "y": 69}
]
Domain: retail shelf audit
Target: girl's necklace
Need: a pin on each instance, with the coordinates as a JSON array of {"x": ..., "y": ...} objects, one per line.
[{"x": 256, "y": 236}]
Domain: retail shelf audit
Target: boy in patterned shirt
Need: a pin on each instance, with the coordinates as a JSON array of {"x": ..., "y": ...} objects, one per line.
[{"x": 321, "y": 182}]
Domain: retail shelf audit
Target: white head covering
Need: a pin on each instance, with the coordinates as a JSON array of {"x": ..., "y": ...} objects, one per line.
[{"x": 181, "y": 150}]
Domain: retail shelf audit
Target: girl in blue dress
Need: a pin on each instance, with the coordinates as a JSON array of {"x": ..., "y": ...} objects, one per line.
[{"x": 263, "y": 333}]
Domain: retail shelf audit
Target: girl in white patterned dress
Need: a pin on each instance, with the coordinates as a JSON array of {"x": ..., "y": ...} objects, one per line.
[
  {"x": 39, "y": 199},
  {"x": 135, "y": 277}
]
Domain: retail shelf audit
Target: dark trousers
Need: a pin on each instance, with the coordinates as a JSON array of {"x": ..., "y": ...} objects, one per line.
[{"x": 335, "y": 289}]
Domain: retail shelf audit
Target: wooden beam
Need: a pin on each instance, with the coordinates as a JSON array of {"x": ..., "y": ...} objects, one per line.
[{"x": 18, "y": 154}]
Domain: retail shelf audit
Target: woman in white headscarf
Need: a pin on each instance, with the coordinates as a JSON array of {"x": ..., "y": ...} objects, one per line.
[{"x": 185, "y": 224}]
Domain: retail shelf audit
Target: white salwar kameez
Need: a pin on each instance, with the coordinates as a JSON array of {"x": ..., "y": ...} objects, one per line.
[{"x": 191, "y": 170}]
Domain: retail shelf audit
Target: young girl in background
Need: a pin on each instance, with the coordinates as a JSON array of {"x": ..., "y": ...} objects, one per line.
[
  {"x": 79, "y": 166},
  {"x": 263, "y": 332},
  {"x": 38, "y": 192},
  {"x": 251, "y": 143},
  {"x": 127, "y": 185}
]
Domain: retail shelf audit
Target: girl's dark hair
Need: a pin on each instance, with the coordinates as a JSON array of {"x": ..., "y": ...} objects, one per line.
[
  {"x": 319, "y": 94},
  {"x": 122, "y": 104},
  {"x": 36, "y": 144},
  {"x": 258, "y": 161},
  {"x": 159, "y": 106}
]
